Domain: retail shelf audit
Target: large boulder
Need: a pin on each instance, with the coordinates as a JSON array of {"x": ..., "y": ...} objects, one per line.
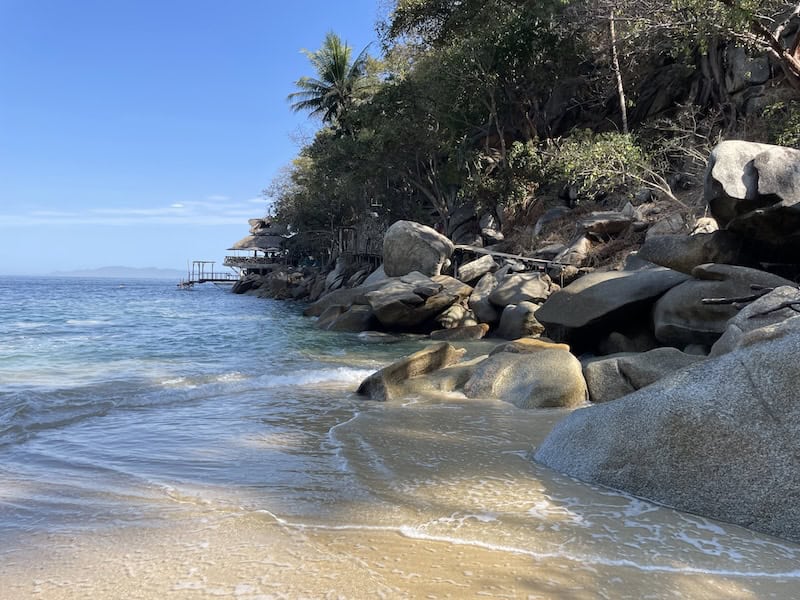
[
  {"x": 519, "y": 320},
  {"x": 616, "y": 376},
  {"x": 598, "y": 303},
  {"x": 456, "y": 316},
  {"x": 754, "y": 190},
  {"x": 680, "y": 316},
  {"x": 409, "y": 246},
  {"x": 470, "y": 271},
  {"x": 409, "y": 301},
  {"x": 522, "y": 287},
  {"x": 546, "y": 377},
  {"x": 683, "y": 252},
  {"x": 461, "y": 333},
  {"x": 768, "y": 310},
  {"x": 605, "y": 223},
  {"x": 719, "y": 438},
  {"x": 479, "y": 304},
  {"x": 387, "y": 383},
  {"x": 355, "y": 319}
]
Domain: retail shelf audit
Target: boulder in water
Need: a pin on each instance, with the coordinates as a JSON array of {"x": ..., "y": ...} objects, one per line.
[
  {"x": 384, "y": 384},
  {"x": 718, "y": 438}
]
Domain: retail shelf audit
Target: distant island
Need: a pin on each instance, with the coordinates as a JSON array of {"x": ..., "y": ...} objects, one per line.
[{"x": 124, "y": 273}]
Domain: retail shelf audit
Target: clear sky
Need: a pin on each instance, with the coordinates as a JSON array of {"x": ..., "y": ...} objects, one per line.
[{"x": 141, "y": 132}]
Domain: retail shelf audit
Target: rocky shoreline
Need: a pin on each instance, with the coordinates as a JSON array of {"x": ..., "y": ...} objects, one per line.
[{"x": 681, "y": 364}]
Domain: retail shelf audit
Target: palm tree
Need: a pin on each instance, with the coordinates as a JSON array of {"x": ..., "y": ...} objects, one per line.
[{"x": 338, "y": 81}]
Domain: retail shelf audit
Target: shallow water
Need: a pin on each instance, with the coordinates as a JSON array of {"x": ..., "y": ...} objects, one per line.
[{"x": 164, "y": 443}]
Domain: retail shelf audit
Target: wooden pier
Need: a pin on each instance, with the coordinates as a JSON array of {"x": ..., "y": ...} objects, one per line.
[{"x": 202, "y": 271}]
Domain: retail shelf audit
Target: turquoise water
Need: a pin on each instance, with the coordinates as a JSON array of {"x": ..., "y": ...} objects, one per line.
[
  {"x": 112, "y": 388},
  {"x": 131, "y": 410}
]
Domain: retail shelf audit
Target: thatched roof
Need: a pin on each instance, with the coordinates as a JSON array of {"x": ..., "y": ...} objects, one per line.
[
  {"x": 267, "y": 227},
  {"x": 259, "y": 242}
]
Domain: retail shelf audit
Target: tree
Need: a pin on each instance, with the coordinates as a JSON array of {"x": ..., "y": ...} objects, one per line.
[{"x": 339, "y": 82}]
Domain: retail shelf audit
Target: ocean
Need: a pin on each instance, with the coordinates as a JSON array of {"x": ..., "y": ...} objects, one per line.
[{"x": 164, "y": 443}]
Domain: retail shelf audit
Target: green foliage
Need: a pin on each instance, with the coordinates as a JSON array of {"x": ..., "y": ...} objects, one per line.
[
  {"x": 462, "y": 103},
  {"x": 783, "y": 123},
  {"x": 597, "y": 163},
  {"x": 338, "y": 84}
]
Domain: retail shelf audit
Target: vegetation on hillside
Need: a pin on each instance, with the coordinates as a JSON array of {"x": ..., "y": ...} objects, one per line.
[{"x": 505, "y": 103}]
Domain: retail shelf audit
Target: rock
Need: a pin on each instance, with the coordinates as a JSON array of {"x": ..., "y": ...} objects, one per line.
[
  {"x": 681, "y": 318},
  {"x": 518, "y": 321},
  {"x": 667, "y": 226},
  {"x": 605, "y": 223},
  {"x": 250, "y": 282},
  {"x": 384, "y": 384},
  {"x": 761, "y": 313},
  {"x": 549, "y": 217},
  {"x": 342, "y": 297},
  {"x": 696, "y": 350},
  {"x": 684, "y": 252},
  {"x": 357, "y": 278},
  {"x": 576, "y": 253},
  {"x": 463, "y": 215},
  {"x": 335, "y": 278},
  {"x": 461, "y": 333},
  {"x": 717, "y": 439},
  {"x": 616, "y": 376},
  {"x": 466, "y": 234},
  {"x": 590, "y": 308},
  {"x": 409, "y": 246},
  {"x": 743, "y": 70},
  {"x": 521, "y": 287},
  {"x": 633, "y": 341},
  {"x": 397, "y": 306},
  {"x": 491, "y": 236},
  {"x": 355, "y": 319},
  {"x": 662, "y": 89},
  {"x": 456, "y": 316},
  {"x": 543, "y": 379},
  {"x": 329, "y": 315},
  {"x": 316, "y": 290},
  {"x": 448, "y": 379},
  {"x": 485, "y": 312},
  {"x": 489, "y": 221},
  {"x": 528, "y": 345},
  {"x": 754, "y": 190},
  {"x": 469, "y": 272},
  {"x": 377, "y": 276},
  {"x": 705, "y": 225}
]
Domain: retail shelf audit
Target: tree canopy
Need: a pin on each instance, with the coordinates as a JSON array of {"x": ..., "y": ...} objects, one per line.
[{"x": 500, "y": 103}]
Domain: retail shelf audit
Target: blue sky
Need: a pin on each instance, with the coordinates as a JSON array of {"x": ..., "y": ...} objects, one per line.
[{"x": 141, "y": 132}]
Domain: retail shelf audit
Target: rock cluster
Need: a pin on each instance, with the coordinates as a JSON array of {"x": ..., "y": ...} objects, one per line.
[{"x": 681, "y": 364}]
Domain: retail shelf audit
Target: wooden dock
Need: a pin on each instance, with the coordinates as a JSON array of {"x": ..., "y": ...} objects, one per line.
[{"x": 202, "y": 271}]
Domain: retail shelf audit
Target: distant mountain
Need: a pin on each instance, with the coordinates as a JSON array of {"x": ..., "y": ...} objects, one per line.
[{"x": 124, "y": 273}]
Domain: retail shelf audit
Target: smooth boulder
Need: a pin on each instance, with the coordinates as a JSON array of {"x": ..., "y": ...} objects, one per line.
[
  {"x": 387, "y": 383},
  {"x": 685, "y": 252},
  {"x": 519, "y": 320},
  {"x": 719, "y": 438},
  {"x": 522, "y": 287},
  {"x": 680, "y": 316},
  {"x": 613, "y": 377},
  {"x": 754, "y": 189},
  {"x": 772, "y": 308},
  {"x": 410, "y": 246},
  {"x": 545, "y": 378},
  {"x": 598, "y": 303}
]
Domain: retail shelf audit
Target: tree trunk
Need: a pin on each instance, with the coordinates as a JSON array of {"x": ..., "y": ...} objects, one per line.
[{"x": 618, "y": 74}]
